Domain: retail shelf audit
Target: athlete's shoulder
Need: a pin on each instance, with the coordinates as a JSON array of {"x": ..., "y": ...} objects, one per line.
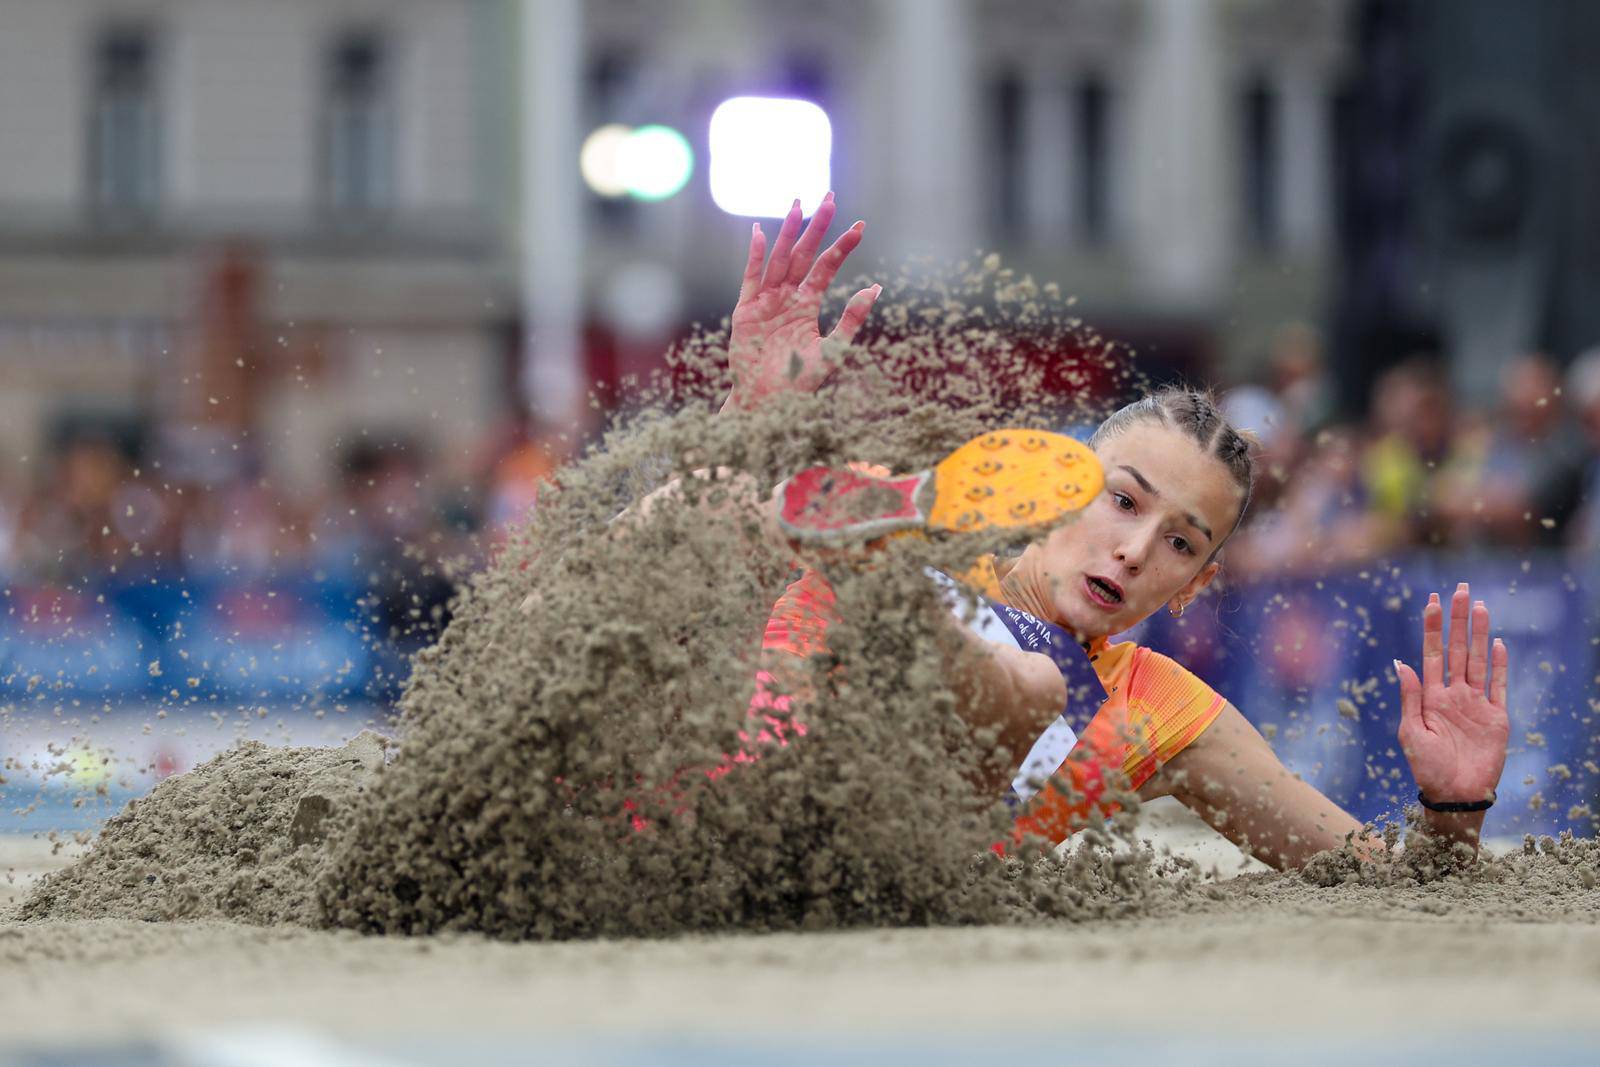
[
  {"x": 1113, "y": 662},
  {"x": 1141, "y": 673}
]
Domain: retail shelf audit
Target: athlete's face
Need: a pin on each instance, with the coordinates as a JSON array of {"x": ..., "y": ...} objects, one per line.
[{"x": 1143, "y": 543}]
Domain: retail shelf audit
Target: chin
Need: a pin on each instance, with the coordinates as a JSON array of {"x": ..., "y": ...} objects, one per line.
[{"x": 1076, "y": 621}]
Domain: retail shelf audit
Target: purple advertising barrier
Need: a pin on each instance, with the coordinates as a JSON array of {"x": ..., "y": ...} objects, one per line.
[{"x": 1308, "y": 661}]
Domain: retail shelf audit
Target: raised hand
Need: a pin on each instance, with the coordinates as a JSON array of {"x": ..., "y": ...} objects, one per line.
[
  {"x": 1454, "y": 731},
  {"x": 776, "y": 343}
]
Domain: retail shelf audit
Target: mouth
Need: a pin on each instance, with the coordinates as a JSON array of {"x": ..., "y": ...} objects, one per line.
[{"x": 1103, "y": 592}]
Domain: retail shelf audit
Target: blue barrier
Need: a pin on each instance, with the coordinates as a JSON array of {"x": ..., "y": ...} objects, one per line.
[
  {"x": 1309, "y": 662},
  {"x": 213, "y": 638}
]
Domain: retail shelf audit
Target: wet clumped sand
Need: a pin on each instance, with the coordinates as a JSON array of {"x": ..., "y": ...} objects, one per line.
[
  {"x": 238, "y": 838},
  {"x": 575, "y": 758}
]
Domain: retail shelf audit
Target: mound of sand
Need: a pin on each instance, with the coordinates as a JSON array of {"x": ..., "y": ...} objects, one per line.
[
  {"x": 239, "y": 837},
  {"x": 552, "y": 778}
]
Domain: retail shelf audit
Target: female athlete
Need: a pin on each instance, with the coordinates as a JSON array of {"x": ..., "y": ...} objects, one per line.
[{"x": 1176, "y": 483}]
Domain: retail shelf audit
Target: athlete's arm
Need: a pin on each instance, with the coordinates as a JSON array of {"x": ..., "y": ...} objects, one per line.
[
  {"x": 775, "y": 345},
  {"x": 719, "y": 493},
  {"x": 1454, "y": 737},
  {"x": 1231, "y": 778},
  {"x": 1014, "y": 693}
]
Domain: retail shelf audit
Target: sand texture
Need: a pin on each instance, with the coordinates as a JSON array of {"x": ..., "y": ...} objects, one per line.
[
  {"x": 235, "y": 838},
  {"x": 579, "y": 825},
  {"x": 1271, "y": 955},
  {"x": 1509, "y": 949}
]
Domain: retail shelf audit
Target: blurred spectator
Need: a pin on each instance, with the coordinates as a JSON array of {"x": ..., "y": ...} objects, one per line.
[
  {"x": 1583, "y": 392},
  {"x": 1279, "y": 439},
  {"x": 1299, "y": 378},
  {"x": 239, "y": 528},
  {"x": 1412, "y": 436},
  {"x": 10, "y": 520},
  {"x": 1283, "y": 413},
  {"x": 65, "y": 528},
  {"x": 1514, "y": 480},
  {"x": 1323, "y": 521},
  {"x": 391, "y": 533},
  {"x": 526, "y": 458}
]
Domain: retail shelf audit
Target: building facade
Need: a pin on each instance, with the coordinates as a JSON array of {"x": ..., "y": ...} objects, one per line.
[
  {"x": 293, "y": 220},
  {"x": 1170, "y": 162},
  {"x": 300, "y": 191}
]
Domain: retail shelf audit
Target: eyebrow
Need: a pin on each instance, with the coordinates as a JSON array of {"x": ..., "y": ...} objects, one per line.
[{"x": 1189, "y": 516}]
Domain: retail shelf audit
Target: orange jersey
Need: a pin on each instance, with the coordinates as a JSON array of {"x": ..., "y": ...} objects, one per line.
[{"x": 1153, "y": 708}]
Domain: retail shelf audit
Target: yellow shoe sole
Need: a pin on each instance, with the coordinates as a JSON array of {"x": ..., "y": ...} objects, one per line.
[{"x": 1004, "y": 479}]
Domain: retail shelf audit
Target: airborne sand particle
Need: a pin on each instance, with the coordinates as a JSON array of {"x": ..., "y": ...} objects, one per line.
[{"x": 551, "y": 781}]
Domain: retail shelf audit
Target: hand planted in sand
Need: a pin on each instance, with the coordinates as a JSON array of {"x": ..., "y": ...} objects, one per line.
[
  {"x": 1454, "y": 731},
  {"x": 776, "y": 344}
]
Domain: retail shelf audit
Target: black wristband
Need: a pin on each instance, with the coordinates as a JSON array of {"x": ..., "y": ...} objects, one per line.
[{"x": 1455, "y": 806}]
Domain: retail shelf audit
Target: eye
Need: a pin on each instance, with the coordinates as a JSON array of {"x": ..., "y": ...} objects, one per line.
[
  {"x": 1124, "y": 501},
  {"x": 1182, "y": 545}
]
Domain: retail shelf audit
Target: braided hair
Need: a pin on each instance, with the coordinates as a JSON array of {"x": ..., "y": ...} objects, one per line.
[{"x": 1196, "y": 414}]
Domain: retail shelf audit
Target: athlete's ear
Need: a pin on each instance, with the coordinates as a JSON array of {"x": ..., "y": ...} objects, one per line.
[{"x": 1197, "y": 584}]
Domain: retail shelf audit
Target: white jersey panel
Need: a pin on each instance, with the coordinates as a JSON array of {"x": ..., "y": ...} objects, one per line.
[{"x": 1058, "y": 738}]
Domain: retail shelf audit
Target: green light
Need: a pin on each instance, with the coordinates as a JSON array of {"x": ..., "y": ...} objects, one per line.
[{"x": 656, "y": 162}]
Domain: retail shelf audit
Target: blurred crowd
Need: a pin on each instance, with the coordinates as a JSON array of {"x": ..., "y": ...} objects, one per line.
[
  {"x": 394, "y": 518},
  {"x": 1423, "y": 470}
]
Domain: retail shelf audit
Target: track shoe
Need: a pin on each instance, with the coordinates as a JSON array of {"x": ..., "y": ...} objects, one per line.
[{"x": 1004, "y": 479}]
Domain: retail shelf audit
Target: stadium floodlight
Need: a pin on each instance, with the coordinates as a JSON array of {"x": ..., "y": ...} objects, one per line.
[
  {"x": 765, "y": 151},
  {"x": 600, "y": 160},
  {"x": 656, "y": 162}
]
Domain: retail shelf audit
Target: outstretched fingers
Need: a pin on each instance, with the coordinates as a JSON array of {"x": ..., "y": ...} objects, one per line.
[
  {"x": 1478, "y": 650},
  {"x": 855, "y": 314},
  {"x": 751, "y": 282},
  {"x": 1502, "y": 666},
  {"x": 806, "y": 249},
  {"x": 1433, "y": 642},
  {"x": 827, "y": 265},
  {"x": 1411, "y": 721},
  {"x": 1456, "y": 644},
  {"x": 782, "y": 248}
]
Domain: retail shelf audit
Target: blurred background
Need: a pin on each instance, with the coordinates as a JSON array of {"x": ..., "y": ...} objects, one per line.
[{"x": 301, "y": 301}]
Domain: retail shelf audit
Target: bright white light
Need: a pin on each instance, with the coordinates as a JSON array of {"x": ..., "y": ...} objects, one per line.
[
  {"x": 656, "y": 162},
  {"x": 766, "y": 151},
  {"x": 600, "y": 160}
]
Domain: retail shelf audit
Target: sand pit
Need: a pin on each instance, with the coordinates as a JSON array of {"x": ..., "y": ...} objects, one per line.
[
  {"x": 1273, "y": 957},
  {"x": 562, "y": 845}
]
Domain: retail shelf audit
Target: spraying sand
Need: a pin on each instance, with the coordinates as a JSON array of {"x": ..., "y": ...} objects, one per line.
[{"x": 550, "y": 784}]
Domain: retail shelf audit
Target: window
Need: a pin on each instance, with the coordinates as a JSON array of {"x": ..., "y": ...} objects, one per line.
[
  {"x": 124, "y": 131},
  {"x": 1093, "y": 136},
  {"x": 358, "y": 126},
  {"x": 806, "y": 76},
  {"x": 1005, "y": 102},
  {"x": 610, "y": 90},
  {"x": 1261, "y": 162}
]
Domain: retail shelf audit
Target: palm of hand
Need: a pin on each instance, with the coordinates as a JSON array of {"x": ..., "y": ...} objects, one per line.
[
  {"x": 776, "y": 344},
  {"x": 1454, "y": 733}
]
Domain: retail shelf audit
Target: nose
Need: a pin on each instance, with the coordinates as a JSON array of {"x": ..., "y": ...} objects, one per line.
[{"x": 1134, "y": 550}]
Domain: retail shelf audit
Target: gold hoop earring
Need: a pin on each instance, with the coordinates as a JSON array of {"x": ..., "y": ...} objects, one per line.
[{"x": 1177, "y": 613}]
